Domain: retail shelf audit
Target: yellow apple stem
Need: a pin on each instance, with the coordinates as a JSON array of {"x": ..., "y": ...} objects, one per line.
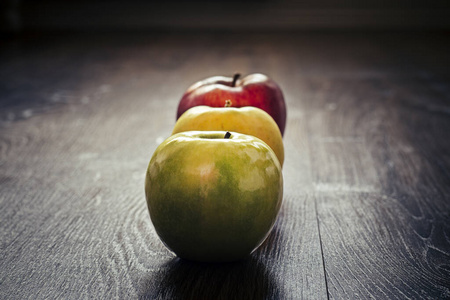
[
  {"x": 227, "y": 135},
  {"x": 235, "y": 78}
]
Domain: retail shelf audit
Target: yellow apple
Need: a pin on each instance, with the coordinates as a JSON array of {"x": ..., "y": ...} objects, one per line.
[{"x": 247, "y": 120}]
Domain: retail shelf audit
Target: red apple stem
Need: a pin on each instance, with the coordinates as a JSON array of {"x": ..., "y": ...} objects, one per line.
[
  {"x": 228, "y": 103},
  {"x": 227, "y": 135},
  {"x": 235, "y": 78}
]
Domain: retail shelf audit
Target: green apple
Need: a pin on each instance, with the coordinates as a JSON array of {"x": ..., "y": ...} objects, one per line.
[
  {"x": 213, "y": 196},
  {"x": 248, "y": 120}
]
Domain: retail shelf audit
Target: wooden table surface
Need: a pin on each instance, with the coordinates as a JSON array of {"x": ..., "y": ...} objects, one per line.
[{"x": 366, "y": 211}]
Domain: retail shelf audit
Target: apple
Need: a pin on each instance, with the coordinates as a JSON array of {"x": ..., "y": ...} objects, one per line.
[
  {"x": 256, "y": 90},
  {"x": 213, "y": 196},
  {"x": 247, "y": 120}
]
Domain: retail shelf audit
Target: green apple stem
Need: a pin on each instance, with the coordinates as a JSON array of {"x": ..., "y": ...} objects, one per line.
[
  {"x": 227, "y": 135},
  {"x": 235, "y": 78}
]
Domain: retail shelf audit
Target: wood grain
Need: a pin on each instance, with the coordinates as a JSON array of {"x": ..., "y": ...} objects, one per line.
[
  {"x": 381, "y": 182},
  {"x": 366, "y": 209}
]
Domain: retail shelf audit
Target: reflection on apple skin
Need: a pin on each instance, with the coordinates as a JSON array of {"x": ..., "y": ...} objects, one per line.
[{"x": 183, "y": 279}]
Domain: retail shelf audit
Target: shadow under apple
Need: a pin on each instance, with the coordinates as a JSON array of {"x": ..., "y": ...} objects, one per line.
[{"x": 182, "y": 279}]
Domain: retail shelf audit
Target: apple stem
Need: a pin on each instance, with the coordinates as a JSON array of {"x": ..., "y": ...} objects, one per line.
[
  {"x": 235, "y": 78},
  {"x": 227, "y": 135},
  {"x": 228, "y": 103}
]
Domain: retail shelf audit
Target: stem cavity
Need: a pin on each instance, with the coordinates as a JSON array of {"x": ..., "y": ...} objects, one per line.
[{"x": 235, "y": 78}]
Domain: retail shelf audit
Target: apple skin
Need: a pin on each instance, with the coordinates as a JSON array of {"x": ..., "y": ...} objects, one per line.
[
  {"x": 211, "y": 198},
  {"x": 256, "y": 90},
  {"x": 248, "y": 120}
]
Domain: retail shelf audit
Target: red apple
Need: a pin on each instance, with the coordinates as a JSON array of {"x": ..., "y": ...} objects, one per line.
[{"x": 256, "y": 90}]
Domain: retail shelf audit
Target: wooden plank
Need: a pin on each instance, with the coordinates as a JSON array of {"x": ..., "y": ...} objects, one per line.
[
  {"x": 366, "y": 207},
  {"x": 380, "y": 167},
  {"x": 374, "y": 247},
  {"x": 81, "y": 117}
]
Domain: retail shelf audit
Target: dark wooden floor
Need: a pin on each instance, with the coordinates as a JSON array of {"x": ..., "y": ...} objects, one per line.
[{"x": 366, "y": 211}]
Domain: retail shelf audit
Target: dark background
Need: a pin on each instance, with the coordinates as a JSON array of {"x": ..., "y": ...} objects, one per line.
[{"x": 220, "y": 14}]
